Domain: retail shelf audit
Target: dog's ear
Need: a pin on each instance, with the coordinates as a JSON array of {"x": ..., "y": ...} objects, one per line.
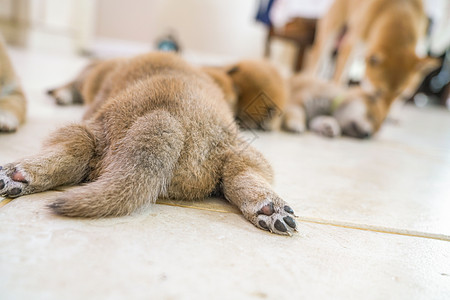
[
  {"x": 374, "y": 59},
  {"x": 427, "y": 64},
  {"x": 232, "y": 70}
]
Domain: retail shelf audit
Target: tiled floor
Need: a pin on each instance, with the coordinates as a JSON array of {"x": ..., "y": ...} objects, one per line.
[{"x": 373, "y": 218}]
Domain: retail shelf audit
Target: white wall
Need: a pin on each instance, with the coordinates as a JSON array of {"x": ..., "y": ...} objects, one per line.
[{"x": 223, "y": 27}]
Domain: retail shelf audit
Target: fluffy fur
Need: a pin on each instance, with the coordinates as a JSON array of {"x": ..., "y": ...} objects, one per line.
[
  {"x": 257, "y": 89},
  {"x": 12, "y": 98},
  {"x": 156, "y": 127}
]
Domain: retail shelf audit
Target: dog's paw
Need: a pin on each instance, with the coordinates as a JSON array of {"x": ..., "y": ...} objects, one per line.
[
  {"x": 62, "y": 96},
  {"x": 294, "y": 126},
  {"x": 275, "y": 216},
  {"x": 13, "y": 182},
  {"x": 326, "y": 126},
  {"x": 8, "y": 122}
]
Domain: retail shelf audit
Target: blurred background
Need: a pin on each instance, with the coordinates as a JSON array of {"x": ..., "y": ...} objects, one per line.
[{"x": 208, "y": 32}]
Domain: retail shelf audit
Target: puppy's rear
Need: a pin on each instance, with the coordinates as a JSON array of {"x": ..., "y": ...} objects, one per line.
[{"x": 154, "y": 120}]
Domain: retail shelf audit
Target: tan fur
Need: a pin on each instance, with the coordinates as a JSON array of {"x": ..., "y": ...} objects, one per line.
[
  {"x": 12, "y": 98},
  {"x": 221, "y": 77},
  {"x": 259, "y": 88},
  {"x": 312, "y": 99},
  {"x": 160, "y": 128},
  {"x": 388, "y": 32},
  {"x": 262, "y": 94}
]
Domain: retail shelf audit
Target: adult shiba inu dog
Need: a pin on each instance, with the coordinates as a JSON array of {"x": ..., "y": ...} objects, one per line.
[
  {"x": 386, "y": 32},
  {"x": 12, "y": 98},
  {"x": 156, "y": 127},
  {"x": 255, "y": 90},
  {"x": 330, "y": 109}
]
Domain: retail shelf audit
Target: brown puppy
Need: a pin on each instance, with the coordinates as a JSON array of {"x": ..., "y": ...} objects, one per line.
[
  {"x": 386, "y": 32},
  {"x": 260, "y": 91},
  {"x": 161, "y": 128},
  {"x": 12, "y": 98},
  {"x": 330, "y": 109},
  {"x": 223, "y": 80}
]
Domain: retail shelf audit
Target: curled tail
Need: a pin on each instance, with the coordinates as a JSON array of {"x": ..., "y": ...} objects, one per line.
[{"x": 138, "y": 171}]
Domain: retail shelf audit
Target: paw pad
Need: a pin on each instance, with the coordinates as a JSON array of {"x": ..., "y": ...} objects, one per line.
[
  {"x": 276, "y": 217},
  {"x": 13, "y": 182},
  {"x": 266, "y": 209}
]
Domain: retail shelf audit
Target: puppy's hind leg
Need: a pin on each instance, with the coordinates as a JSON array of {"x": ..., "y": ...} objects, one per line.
[
  {"x": 66, "y": 95},
  {"x": 64, "y": 160},
  {"x": 245, "y": 180},
  {"x": 137, "y": 170},
  {"x": 71, "y": 93}
]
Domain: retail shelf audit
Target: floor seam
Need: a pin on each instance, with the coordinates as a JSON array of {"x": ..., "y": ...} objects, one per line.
[
  {"x": 376, "y": 228},
  {"x": 372, "y": 228}
]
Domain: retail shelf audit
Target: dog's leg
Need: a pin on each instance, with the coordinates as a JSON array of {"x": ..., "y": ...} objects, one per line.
[
  {"x": 321, "y": 56},
  {"x": 67, "y": 94},
  {"x": 12, "y": 99},
  {"x": 325, "y": 125},
  {"x": 344, "y": 58},
  {"x": 137, "y": 170},
  {"x": 71, "y": 93},
  {"x": 294, "y": 119},
  {"x": 245, "y": 179},
  {"x": 12, "y": 111},
  {"x": 64, "y": 160},
  {"x": 328, "y": 30}
]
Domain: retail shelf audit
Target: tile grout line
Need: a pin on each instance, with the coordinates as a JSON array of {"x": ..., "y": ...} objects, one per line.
[
  {"x": 372, "y": 228},
  {"x": 375, "y": 228},
  {"x": 5, "y": 201}
]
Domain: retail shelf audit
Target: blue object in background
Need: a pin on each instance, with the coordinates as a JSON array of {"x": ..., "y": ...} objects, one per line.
[
  {"x": 168, "y": 43},
  {"x": 263, "y": 14}
]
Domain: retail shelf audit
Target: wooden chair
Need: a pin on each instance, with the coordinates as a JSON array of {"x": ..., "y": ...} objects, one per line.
[{"x": 301, "y": 31}]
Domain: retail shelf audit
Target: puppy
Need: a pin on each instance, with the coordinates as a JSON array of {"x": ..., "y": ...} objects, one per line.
[
  {"x": 12, "y": 98},
  {"x": 331, "y": 110},
  {"x": 386, "y": 32},
  {"x": 157, "y": 127},
  {"x": 225, "y": 82},
  {"x": 257, "y": 89}
]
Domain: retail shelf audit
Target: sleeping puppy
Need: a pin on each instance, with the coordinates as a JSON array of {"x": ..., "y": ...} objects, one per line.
[
  {"x": 12, "y": 98},
  {"x": 224, "y": 81},
  {"x": 332, "y": 110},
  {"x": 257, "y": 89},
  {"x": 156, "y": 127}
]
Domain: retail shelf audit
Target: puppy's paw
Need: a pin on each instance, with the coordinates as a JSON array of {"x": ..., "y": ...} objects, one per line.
[
  {"x": 14, "y": 182},
  {"x": 274, "y": 215},
  {"x": 294, "y": 126},
  {"x": 8, "y": 122},
  {"x": 62, "y": 96},
  {"x": 326, "y": 126}
]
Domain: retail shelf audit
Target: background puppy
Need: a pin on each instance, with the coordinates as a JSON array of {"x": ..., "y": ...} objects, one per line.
[
  {"x": 330, "y": 109},
  {"x": 12, "y": 98},
  {"x": 386, "y": 32},
  {"x": 224, "y": 81},
  {"x": 259, "y": 90},
  {"x": 157, "y": 127}
]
